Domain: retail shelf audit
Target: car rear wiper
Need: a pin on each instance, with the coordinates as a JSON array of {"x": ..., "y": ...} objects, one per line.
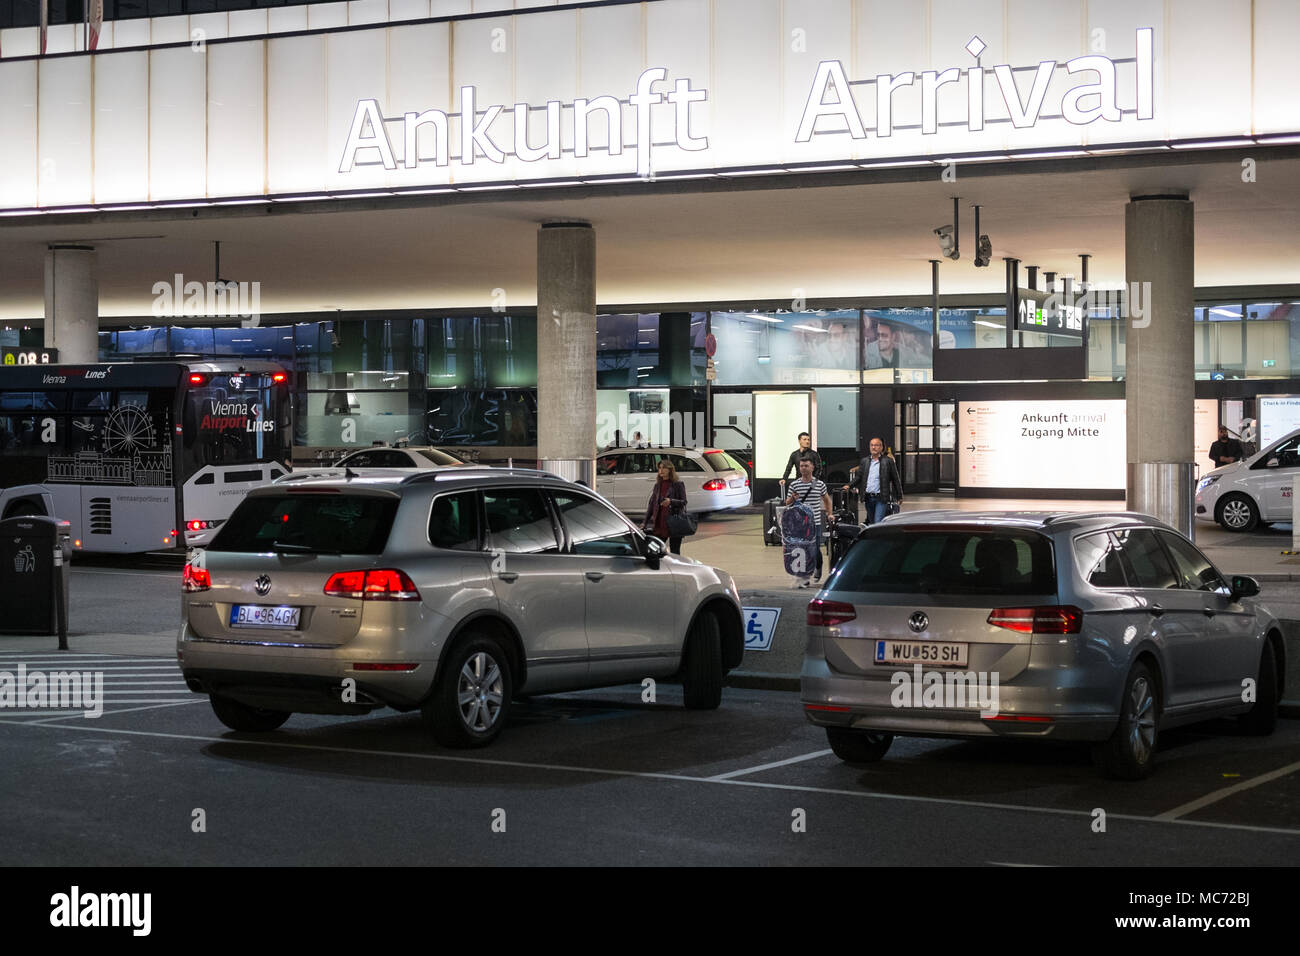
[{"x": 285, "y": 546}]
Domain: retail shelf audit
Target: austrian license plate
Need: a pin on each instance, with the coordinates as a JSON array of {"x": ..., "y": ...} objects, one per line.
[
  {"x": 736, "y": 483},
  {"x": 259, "y": 615},
  {"x": 921, "y": 652}
]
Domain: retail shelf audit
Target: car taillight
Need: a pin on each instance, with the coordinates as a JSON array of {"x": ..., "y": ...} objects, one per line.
[
  {"x": 716, "y": 484},
  {"x": 1055, "y": 619},
  {"x": 385, "y": 584},
  {"x": 828, "y": 613},
  {"x": 200, "y": 524},
  {"x": 197, "y": 379},
  {"x": 196, "y": 579},
  {"x": 278, "y": 377}
]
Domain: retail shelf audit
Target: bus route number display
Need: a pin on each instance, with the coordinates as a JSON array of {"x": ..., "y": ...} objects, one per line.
[{"x": 11, "y": 355}]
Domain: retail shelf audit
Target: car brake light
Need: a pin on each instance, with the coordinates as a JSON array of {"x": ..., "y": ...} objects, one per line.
[
  {"x": 716, "y": 484},
  {"x": 278, "y": 377},
  {"x": 829, "y": 613},
  {"x": 385, "y": 584},
  {"x": 197, "y": 379},
  {"x": 1054, "y": 619},
  {"x": 196, "y": 579}
]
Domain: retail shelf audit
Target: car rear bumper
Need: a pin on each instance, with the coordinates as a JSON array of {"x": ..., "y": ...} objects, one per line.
[
  {"x": 303, "y": 679},
  {"x": 1032, "y": 705}
]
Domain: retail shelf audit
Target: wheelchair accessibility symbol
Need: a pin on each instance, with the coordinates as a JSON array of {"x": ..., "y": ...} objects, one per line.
[{"x": 760, "y": 625}]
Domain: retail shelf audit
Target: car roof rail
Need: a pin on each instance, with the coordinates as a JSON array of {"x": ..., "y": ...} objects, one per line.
[
  {"x": 450, "y": 472},
  {"x": 1066, "y": 515}
]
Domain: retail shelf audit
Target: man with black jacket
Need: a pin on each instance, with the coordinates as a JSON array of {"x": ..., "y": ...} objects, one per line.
[
  {"x": 805, "y": 450},
  {"x": 878, "y": 480}
]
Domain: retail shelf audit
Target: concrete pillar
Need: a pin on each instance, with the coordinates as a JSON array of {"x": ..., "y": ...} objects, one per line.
[
  {"x": 1159, "y": 256},
  {"x": 566, "y": 350},
  {"x": 72, "y": 303}
]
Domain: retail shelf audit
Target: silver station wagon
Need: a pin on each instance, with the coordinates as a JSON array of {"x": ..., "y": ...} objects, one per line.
[
  {"x": 448, "y": 591},
  {"x": 1104, "y": 628}
]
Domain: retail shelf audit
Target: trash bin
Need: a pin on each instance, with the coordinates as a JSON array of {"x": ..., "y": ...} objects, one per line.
[{"x": 28, "y": 574}]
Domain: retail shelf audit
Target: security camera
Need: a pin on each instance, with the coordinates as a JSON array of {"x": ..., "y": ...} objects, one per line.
[
  {"x": 948, "y": 241},
  {"x": 983, "y": 251}
]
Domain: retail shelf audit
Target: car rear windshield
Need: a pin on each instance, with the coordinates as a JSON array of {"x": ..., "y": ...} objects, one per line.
[
  {"x": 438, "y": 457},
  {"x": 948, "y": 561},
  {"x": 721, "y": 461},
  {"x": 312, "y": 523}
]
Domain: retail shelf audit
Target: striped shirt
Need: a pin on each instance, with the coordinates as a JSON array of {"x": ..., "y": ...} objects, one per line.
[{"x": 809, "y": 493}]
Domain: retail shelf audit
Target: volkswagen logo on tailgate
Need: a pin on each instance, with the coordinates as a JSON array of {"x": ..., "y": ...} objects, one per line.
[
  {"x": 918, "y": 622},
  {"x": 263, "y": 585}
]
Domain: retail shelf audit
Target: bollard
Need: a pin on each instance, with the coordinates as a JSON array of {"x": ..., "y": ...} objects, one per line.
[
  {"x": 1295, "y": 516},
  {"x": 60, "y": 612}
]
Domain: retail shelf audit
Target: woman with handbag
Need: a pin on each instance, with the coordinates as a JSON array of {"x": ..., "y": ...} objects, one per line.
[{"x": 668, "y": 497}]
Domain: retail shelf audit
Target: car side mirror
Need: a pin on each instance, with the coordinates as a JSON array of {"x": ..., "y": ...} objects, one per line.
[
  {"x": 654, "y": 550},
  {"x": 1244, "y": 586},
  {"x": 1272, "y": 463}
]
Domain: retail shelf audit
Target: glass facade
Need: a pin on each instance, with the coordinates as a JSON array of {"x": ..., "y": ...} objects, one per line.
[
  {"x": 471, "y": 381},
  {"x": 1265, "y": 344}
]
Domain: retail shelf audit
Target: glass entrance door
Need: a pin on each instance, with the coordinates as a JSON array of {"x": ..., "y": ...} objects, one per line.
[{"x": 925, "y": 436}]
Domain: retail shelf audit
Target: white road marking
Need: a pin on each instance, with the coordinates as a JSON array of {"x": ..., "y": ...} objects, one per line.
[
  {"x": 645, "y": 775},
  {"x": 996, "y": 863},
  {"x": 153, "y": 705},
  {"x": 1200, "y": 802},
  {"x": 769, "y": 766}
]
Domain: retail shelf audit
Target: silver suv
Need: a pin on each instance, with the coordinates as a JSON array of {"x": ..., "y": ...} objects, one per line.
[
  {"x": 1103, "y": 628},
  {"x": 450, "y": 591}
]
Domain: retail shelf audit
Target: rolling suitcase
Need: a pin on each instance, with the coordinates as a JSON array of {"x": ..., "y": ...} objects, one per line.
[
  {"x": 846, "y": 502},
  {"x": 799, "y": 533},
  {"x": 772, "y": 510}
]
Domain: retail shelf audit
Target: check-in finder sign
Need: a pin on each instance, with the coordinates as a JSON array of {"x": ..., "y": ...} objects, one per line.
[{"x": 1066, "y": 445}]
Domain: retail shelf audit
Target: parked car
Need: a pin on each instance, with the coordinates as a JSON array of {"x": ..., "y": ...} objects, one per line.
[
  {"x": 715, "y": 481},
  {"x": 1102, "y": 628},
  {"x": 1254, "y": 491},
  {"x": 447, "y": 591}
]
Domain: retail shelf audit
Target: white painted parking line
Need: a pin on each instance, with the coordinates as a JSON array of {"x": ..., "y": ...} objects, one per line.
[
  {"x": 644, "y": 775},
  {"x": 769, "y": 766},
  {"x": 1201, "y": 802},
  {"x": 996, "y": 863},
  {"x": 153, "y": 705}
]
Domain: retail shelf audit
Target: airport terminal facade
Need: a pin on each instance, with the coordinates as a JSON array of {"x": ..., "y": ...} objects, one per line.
[{"x": 1107, "y": 150}]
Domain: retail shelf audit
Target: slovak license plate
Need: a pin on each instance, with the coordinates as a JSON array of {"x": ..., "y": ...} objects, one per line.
[
  {"x": 259, "y": 615},
  {"x": 921, "y": 652}
]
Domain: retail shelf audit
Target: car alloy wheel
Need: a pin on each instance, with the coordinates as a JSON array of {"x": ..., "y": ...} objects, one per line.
[
  {"x": 479, "y": 692},
  {"x": 1238, "y": 514},
  {"x": 1141, "y": 729},
  {"x": 1129, "y": 752},
  {"x": 470, "y": 702}
]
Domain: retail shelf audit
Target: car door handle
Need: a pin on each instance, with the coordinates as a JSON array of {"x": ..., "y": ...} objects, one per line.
[
  {"x": 508, "y": 576},
  {"x": 1156, "y": 610},
  {"x": 1209, "y": 611},
  {"x": 595, "y": 575}
]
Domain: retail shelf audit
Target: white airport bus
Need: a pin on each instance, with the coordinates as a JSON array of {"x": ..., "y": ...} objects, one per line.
[{"x": 140, "y": 456}]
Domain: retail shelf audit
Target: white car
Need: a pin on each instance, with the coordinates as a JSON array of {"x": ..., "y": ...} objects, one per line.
[
  {"x": 407, "y": 460},
  {"x": 714, "y": 480},
  {"x": 1258, "y": 490}
]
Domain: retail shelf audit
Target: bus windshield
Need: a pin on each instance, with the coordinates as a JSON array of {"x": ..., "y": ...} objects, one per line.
[{"x": 235, "y": 419}]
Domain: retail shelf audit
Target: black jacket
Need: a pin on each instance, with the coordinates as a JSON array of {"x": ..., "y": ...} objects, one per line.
[
  {"x": 891, "y": 485},
  {"x": 676, "y": 503},
  {"x": 1226, "y": 448},
  {"x": 792, "y": 464}
]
